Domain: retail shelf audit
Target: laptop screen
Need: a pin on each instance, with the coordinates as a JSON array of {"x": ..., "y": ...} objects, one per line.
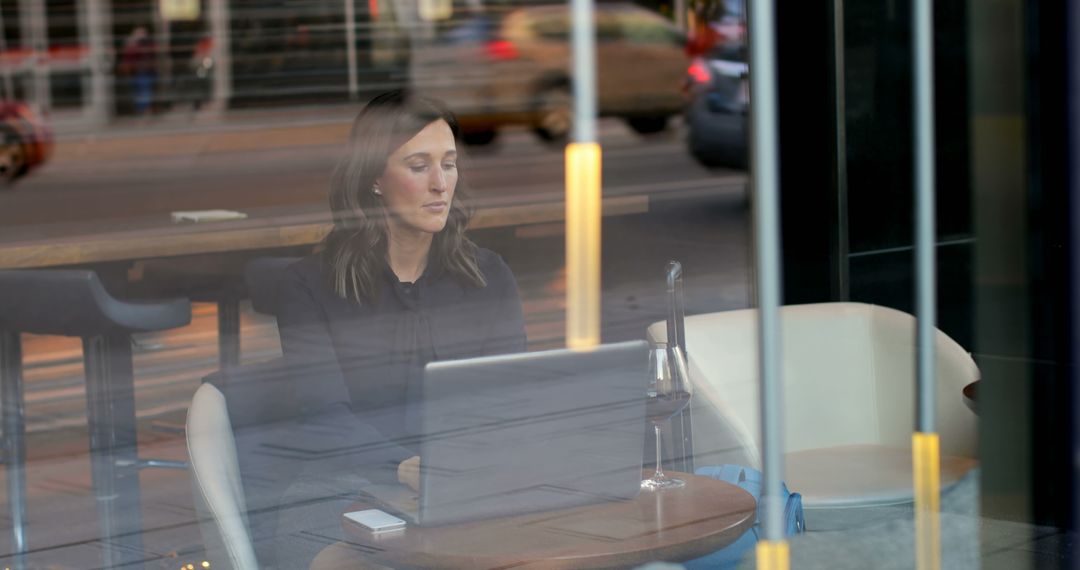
[{"x": 535, "y": 431}]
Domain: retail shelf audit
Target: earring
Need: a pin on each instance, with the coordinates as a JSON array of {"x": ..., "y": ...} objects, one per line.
[{"x": 375, "y": 190}]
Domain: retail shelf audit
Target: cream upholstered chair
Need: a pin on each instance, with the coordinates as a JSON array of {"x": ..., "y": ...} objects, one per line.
[
  {"x": 849, "y": 393},
  {"x": 216, "y": 476}
]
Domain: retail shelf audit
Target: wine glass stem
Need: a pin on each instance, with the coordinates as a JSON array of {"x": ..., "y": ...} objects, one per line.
[{"x": 659, "y": 458}]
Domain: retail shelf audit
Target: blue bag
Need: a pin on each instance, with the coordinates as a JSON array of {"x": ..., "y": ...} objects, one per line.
[{"x": 749, "y": 480}]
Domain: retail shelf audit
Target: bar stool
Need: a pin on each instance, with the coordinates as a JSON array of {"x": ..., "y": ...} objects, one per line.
[
  {"x": 74, "y": 303},
  {"x": 263, "y": 278}
]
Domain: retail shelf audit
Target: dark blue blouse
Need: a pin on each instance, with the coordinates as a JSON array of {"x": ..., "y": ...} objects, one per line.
[
  {"x": 364, "y": 363},
  {"x": 353, "y": 370}
]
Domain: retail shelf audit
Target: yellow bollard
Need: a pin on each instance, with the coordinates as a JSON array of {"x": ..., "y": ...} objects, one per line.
[
  {"x": 773, "y": 555},
  {"x": 926, "y": 458},
  {"x": 583, "y": 214}
]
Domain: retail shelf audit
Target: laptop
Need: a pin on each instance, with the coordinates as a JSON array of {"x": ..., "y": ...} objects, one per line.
[{"x": 529, "y": 432}]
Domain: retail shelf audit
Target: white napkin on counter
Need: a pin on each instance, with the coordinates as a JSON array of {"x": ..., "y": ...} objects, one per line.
[{"x": 207, "y": 216}]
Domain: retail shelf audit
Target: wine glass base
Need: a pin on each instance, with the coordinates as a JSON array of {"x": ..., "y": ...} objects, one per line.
[{"x": 659, "y": 484}]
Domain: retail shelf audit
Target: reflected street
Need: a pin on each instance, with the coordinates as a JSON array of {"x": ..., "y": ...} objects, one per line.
[{"x": 283, "y": 165}]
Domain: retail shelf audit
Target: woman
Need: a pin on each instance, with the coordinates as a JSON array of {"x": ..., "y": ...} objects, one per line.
[{"x": 397, "y": 284}]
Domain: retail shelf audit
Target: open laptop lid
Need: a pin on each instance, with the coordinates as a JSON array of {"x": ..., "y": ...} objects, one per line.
[{"x": 521, "y": 433}]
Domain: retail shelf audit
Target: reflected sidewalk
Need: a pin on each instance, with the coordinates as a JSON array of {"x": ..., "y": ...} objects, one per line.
[{"x": 184, "y": 133}]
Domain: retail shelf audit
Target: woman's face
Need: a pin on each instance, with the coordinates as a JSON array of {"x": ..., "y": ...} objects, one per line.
[{"x": 418, "y": 184}]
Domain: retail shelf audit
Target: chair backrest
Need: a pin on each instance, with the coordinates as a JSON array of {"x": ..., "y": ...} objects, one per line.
[
  {"x": 849, "y": 378},
  {"x": 218, "y": 489},
  {"x": 74, "y": 302},
  {"x": 262, "y": 277}
]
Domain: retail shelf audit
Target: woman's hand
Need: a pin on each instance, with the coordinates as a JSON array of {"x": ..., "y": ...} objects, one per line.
[{"x": 408, "y": 473}]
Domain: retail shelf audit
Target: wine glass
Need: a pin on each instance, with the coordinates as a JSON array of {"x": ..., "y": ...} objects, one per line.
[{"x": 667, "y": 395}]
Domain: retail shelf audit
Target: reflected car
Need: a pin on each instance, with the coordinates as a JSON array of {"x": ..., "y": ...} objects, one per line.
[
  {"x": 717, "y": 88},
  {"x": 499, "y": 68},
  {"x": 26, "y": 141}
]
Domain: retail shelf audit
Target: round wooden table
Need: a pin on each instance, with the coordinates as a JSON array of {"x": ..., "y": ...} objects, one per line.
[{"x": 671, "y": 525}]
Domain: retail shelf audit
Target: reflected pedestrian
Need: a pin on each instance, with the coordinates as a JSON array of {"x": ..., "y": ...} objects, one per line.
[{"x": 138, "y": 63}]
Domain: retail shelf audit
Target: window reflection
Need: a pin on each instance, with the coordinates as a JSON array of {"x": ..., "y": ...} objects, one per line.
[{"x": 192, "y": 162}]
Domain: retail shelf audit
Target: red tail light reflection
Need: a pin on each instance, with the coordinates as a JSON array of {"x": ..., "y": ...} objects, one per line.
[
  {"x": 699, "y": 72},
  {"x": 501, "y": 50}
]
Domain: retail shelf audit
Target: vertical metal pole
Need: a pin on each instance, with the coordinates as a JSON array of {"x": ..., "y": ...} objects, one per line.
[
  {"x": 772, "y": 552},
  {"x": 925, "y": 444},
  {"x": 843, "y": 277},
  {"x": 14, "y": 424},
  {"x": 110, "y": 411},
  {"x": 221, "y": 34},
  {"x": 34, "y": 38},
  {"x": 162, "y": 55},
  {"x": 9, "y": 88},
  {"x": 584, "y": 70},
  {"x": 583, "y": 207},
  {"x": 350, "y": 48},
  {"x": 97, "y": 22},
  {"x": 228, "y": 331},
  {"x": 926, "y": 309},
  {"x": 406, "y": 15},
  {"x": 1073, "y": 35}
]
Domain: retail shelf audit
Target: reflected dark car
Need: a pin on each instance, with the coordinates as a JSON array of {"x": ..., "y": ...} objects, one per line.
[
  {"x": 717, "y": 87},
  {"x": 503, "y": 67}
]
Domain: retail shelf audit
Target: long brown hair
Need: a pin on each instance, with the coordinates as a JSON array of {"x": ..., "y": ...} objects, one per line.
[{"x": 355, "y": 251}]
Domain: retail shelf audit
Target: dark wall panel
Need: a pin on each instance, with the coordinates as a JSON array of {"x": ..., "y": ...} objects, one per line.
[{"x": 807, "y": 151}]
